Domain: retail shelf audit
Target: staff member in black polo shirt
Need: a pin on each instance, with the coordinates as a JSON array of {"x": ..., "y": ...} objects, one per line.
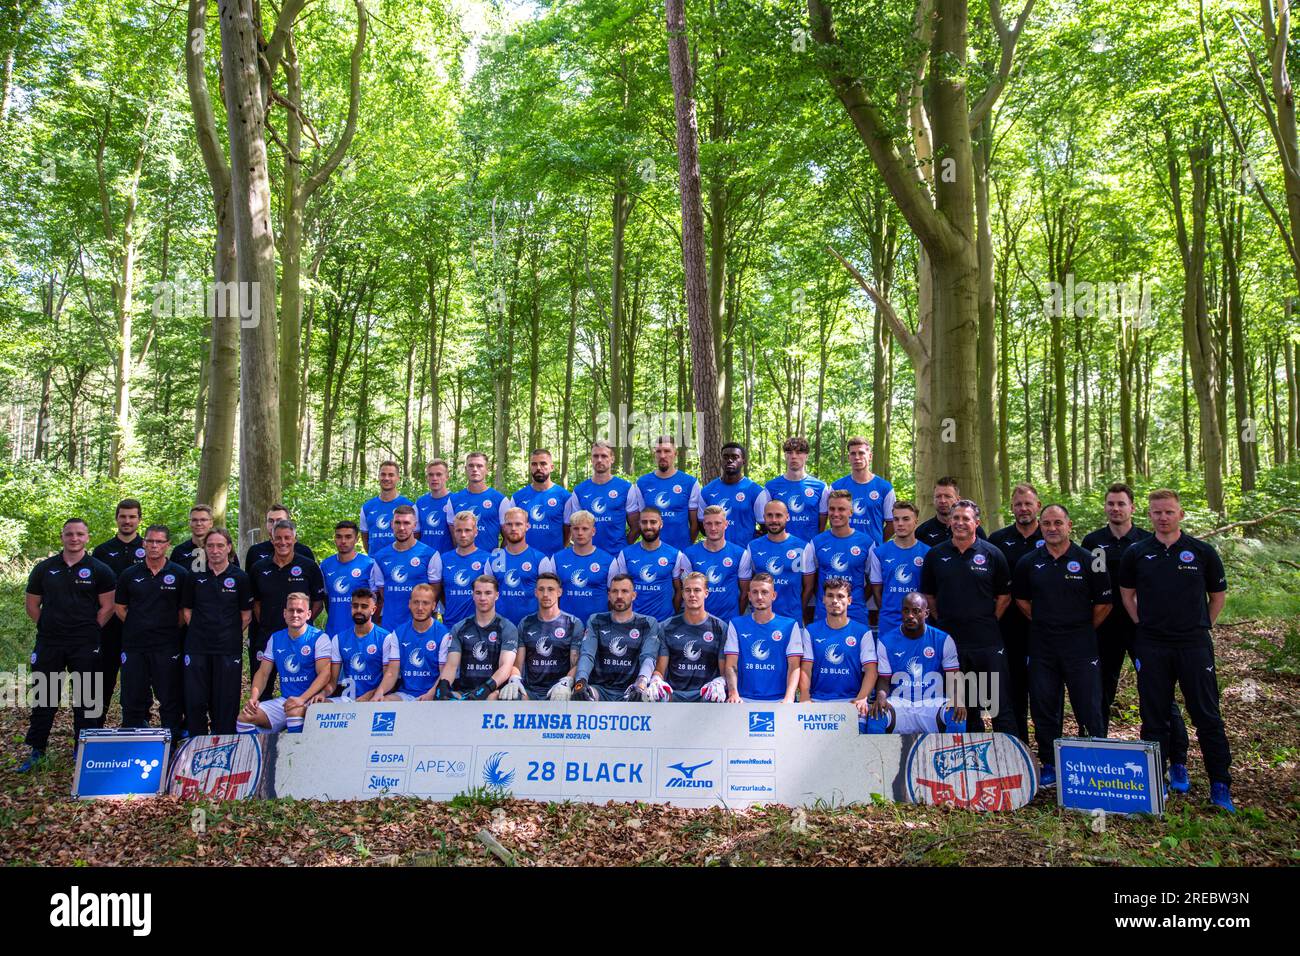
[
  {"x": 274, "y": 579},
  {"x": 119, "y": 552},
  {"x": 1064, "y": 599},
  {"x": 936, "y": 530},
  {"x": 69, "y": 596},
  {"x": 1174, "y": 587},
  {"x": 1016, "y": 540},
  {"x": 264, "y": 549},
  {"x": 1115, "y": 635},
  {"x": 967, "y": 584},
  {"x": 148, "y": 604},
  {"x": 218, "y": 606},
  {"x": 190, "y": 554}
]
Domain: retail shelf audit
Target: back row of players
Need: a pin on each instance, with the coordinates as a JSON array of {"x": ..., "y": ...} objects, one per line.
[{"x": 803, "y": 540}]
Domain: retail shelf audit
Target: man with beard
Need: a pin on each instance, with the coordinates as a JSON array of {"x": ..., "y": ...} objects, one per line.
[
  {"x": 919, "y": 676},
  {"x": 839, "y": 655},
  {"x": 936, "y": 530},
  {"x": 402, "y": 565},
  {"x": 516, "y": 566},
  {"x": 675, "y": 493},
  {"x": 421, "y": 641},
  {"x": 741, "y": 498},
  {"x": 604, "y": 495},
  {"x": 544, "y": 502},
  {"x": 366, "y": 658},
  {"x": 547, "y": 656},
  {"x": 481, "y": 649},
  {"x": 780, "y": 555},
  {"x": 619, "y": 649},
  {"x": 656, "y": 567},
  {"x": 690, "y": 649},
  {"x": 1016, "y": 540}
]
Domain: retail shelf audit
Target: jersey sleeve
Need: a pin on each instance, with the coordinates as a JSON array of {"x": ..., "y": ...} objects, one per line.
[
  {"x": 683, "y": 565},
  {"x": 1002, "y": 582},
  {"x": 444, "y": 648},
  {"x": 506, "y": 505},
  {"x": 866, "y": 648},
  {"x": 928, "y": 584},
  {"x": 453, "y": 642},
  {"x": 1020, "y": 589},
  {"x": 449, "y": 511},
  {"x": 317, "y": 584},
  {"x": 797, "y": 643},
  {"x": 244, "y": 585},
  {"x": 635, "y": 500},
  {"x": 873, "y": 567},
  {"x": 587, "y": 654},
  {"x": 336, "y": 655},
  {"x": 106, "y": 580},
  {"x": 546, "y": 565},
  {"x": 376, "y": 577},
  {"x": 809, "y": 559},
  {"x": 1216, "y": 579},
  {"x": 497, "y": 562},
  {"x": 509, "y": 636},
  {"x": 887, "y": 507},
  {"x": 883, "y": 667},
  {"x": 617, "y": 566},
  {"x": 187, "y": 592},
  {"x": 760, "y": 505},
  {"x": 362, "y": 523},
  {"x": 122, "y": 596},
  {"x": 571, "y": 505},
  {"x": 823, "y": 505},
  {"x": 746, "y": 570},
  {"x": 35, "y": 584},
  {"x": 1099, "y": 584},
  {"x": 732, "y": 645},
  {"x": 324, "y": 647},
  {"x": 435, "y": 568},
  {"x": 650, "y": 648},
  {"x": 392, "y": 648},
  {"x": 950, "y": 661},
  {"x": 696, "y": 501},
  {"x": 1128, "y": 570}
]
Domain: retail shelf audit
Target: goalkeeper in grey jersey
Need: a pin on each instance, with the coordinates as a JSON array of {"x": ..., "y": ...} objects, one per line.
[{"x": 619, "y": 649}]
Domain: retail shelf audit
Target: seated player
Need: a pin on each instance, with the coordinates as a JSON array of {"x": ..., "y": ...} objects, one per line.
[
  {"x": 690, "y": 647},
  {"x": 839, "y": 654},
  {"x": 918, "y": 676},
  {"x": 549, "y": 640},
  {"x": 300, "y": 653},
  {"x": 366, "y": 658},
  {"x": 752, "y": 641},
  {"x": 422, "y": 643},
  {"x": 619, "y": 649},
  {"x": 480, "y": 649}
]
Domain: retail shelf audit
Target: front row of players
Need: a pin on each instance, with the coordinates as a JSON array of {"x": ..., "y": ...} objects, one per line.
[{"x": 903, "y": 682}]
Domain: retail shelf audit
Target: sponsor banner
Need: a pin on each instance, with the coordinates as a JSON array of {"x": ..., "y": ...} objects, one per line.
[
  {"x": 982, "y": 772},
  {"x": 691, "y": 755},
  {"x": 1117, "y": 776},
  {"x": 121, "y": 763},
  {"x": 221, "y": 766}
]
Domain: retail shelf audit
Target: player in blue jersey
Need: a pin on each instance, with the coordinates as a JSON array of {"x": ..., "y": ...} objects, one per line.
[
  {"x": 377, "y": 513},
  {"x": 422, "y": 643},
  {"x": 656, "y": 567},
  {"x": 431, "y": 507},
  {"x": 690, "y": 650},
  {"x": 544, "y": 502},
  {"x": 604, "y": 495},
  {"x": 300, "y": 654},
  {"x": 798, "y": 491},
  {"x": 618, "y": 651},
  {"x": 873, "y": 496},
  {"x": 780, "y": 555},
  {"x": 366, "y": 658},
  {"x": 741, "y": 498},
  {"x": 481, "y": 649},
  {"x": 460, "y": 566},
  {"x": 344, "y": 572},
  {"x": 675, "y": 493},
  {"x": 894, "y": 568},
  {"x": 400, "y": 567},
  {"x": 763, "y": 650},
  {"x": 549, "y": 641},
  {"x": 919, "y": 676},
  {"x": 719, "y": 560},
  {"x": 840, "y": 552},
  {"x": 486, "y": 503},
  {"x": 839, "y": 654},
  {"x": 516, "y": 567},
  {"x": 583, "y": 569}
]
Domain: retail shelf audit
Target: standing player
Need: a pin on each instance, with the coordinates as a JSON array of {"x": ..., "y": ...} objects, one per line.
[
  {"x": 675, "y": 493},
  {"x": 119, "y": 552},
  {"x": 148, "y": 604},
  {"x": 756, "y": 643},
  {"x": 366, "y": 658},
  {"x": 604, "y": 495},
  {"x": 460, "y": 566},
  {"x": 421, "y": 639},
  {"x": 481, "y": 649},
  {"x": 840, "y": 552},
  {"x": 839, "y": 655},
  {"x": 400, "y": 567},
  {"x": 690, "y": 648},
  {"x": 583, "y": 569},
  {"x": 1174, "y": 587},
  {"x": 1115, "y": 634},
  {"x": 719, "y": 560},
  {"x": 547, "y": 656},
  {"x": 1064, "y": 599},
  {"x": 1021, "y": 538},
  {"x": 485, "y": 503},
  {"x": 377, "y": 514},
  {"x": 968, "y": 586},
  {"x": 300, "y": 653},
  {"x": 936, "y": 530},
  {"x": 780, "y": 555},
  {"x": 618, "y": 651},
  {"x": 516, "y": 567},
  {"x": 264, "y": 549},
  {"x": 919, "y": 676},
  {"x": 344, "y": 573},
  {"x": 656, "y": 567},
  {"x": 218, "y": 602},
  {"x": 274, "y": 579},
  {"x": 69, "y": 596},
  {"x": 873, "y": 496},
  {"x": 894, "y": 568},
  {"x": 431, "y": 507},
  {"x": 741, "y": 498},
  {"x": 544, "y": 502},
  {"x": 798, "y": 491}
]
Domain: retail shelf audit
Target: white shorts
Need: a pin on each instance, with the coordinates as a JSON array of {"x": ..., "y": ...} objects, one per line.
[
  {"x": 403, "y": 695},
  {"x": 917, "y": 717},
  {"x": 274, "y": 710}
]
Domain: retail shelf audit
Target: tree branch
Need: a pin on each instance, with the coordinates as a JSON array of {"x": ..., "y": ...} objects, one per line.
[{"x": 1007, "y": 39}]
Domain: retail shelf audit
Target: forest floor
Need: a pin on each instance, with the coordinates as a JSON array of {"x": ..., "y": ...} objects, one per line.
[{"x": 1258, "y": 654}]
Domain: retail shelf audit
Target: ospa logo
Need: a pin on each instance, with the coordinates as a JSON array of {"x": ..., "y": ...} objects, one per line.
[{"x": 975, "y": 771}]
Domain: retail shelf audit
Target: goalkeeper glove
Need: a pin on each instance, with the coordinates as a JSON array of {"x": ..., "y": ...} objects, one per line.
[
  {"x": 715, "y": 691},
  {"x": 514, "y": 689},
  {"x": 562, "y": 690}
]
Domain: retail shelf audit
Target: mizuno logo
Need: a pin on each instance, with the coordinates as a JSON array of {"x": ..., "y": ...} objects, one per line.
[{"x": 688, "y": 771}]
